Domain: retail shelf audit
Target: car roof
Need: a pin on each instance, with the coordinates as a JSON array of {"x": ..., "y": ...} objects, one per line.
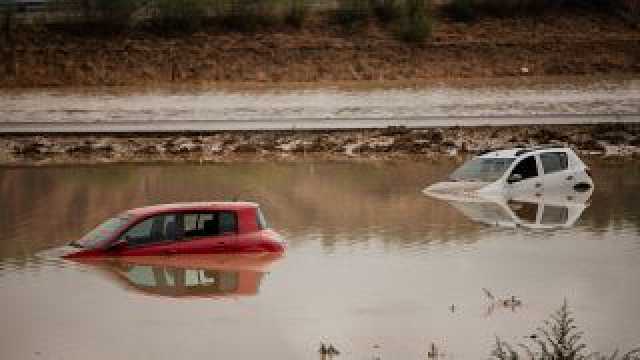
[
  {"x": 194, "y": 206},
  {"x": 519, "y": 151}
]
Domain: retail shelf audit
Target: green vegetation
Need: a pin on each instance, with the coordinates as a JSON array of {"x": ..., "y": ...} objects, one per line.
[
  {"x": 461, "y": 10},
  {"x": 559, "y": 339},
  {"x": 469, "y": 10},
  {"x": 387, "y": 10},
  {"x": 110, "y": 15},
  {"x": 296, "y": 14},
  {"x": 352, "y": 12},
  {"x": 409, "y": 20},
  {"x": 8, "y": 12},
  {"x": 248, "y": 15},
  {"x": 414, "y": 23},
  {"x": 179, "y": 15}
]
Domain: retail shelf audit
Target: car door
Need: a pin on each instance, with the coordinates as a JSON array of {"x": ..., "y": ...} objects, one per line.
[
  {"x": 524, "y": 178},
  {"x": 557, "y": 177}
]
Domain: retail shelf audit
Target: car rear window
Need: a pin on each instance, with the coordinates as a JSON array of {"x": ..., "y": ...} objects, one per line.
[{"x": 554, "y": 161}]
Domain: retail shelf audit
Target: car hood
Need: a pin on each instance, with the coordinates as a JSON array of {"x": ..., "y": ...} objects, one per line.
[
  {"x": 59, "y": 251},
  {"x": 466, "y": 191}
]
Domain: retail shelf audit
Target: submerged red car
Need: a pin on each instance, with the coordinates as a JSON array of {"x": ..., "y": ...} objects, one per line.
[{"x": 183, "y": 228}]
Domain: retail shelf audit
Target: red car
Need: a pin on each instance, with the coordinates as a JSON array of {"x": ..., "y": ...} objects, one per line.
[{"x": 184, "y": 228}]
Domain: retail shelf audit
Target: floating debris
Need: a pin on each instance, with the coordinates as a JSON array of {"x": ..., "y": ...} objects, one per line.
[
  {"x": 511, "y": 302},
  {"x": 332, "y": 350},
  {"x": 433, "y": 352},
  {"x": 328, "y": 350},
  {"x": 489, "y": 294}
]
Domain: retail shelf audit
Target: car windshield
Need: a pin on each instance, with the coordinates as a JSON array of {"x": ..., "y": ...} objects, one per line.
[
  {"x": 102, "y": 232},
  {"x": 482, "y": 169}
]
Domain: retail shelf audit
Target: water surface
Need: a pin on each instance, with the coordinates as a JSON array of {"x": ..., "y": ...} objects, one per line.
[{"x": 371, "y": 261}]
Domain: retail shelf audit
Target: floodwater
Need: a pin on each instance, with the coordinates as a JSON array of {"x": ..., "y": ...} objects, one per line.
[
  {"x": 371, "y": 261},
  {"x": 501, "y": 97}
]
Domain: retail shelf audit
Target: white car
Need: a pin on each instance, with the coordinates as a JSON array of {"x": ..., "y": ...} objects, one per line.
[{"x": 516, "y": 173}]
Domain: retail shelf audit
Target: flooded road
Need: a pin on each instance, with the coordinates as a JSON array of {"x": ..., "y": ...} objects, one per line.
[
  {"x": 490, "y": 102},
  {"x": 371, "y": 261}
]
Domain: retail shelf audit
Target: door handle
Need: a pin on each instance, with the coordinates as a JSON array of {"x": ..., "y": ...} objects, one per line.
[
  {"x": 570, "y": 177},
  {"x": 538, "y": 185},
  {"x": 170, "y": 252}
]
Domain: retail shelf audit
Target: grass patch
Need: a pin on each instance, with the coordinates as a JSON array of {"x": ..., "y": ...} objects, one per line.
[
  {"x": 461, "y": 10},
  {"x": 558, "y": 339},
  {"x": 387, "y": 10},
  {"x": 179, "y": 15},
  {"x": 469, "y": 10},
  {"x": 351, "y": 13},
  {"x": 414, "y": 25},
  {"x": 296, "y": 14}
]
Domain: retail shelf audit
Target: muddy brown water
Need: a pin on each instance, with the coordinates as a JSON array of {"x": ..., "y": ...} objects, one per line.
[{"x": 371, "y": 262}]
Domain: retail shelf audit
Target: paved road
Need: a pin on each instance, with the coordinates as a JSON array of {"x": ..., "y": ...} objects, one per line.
[{"x": 307, "y": 123}]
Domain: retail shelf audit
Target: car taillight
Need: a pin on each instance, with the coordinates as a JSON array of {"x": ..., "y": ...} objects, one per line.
[{"x": 588, "y": 171}]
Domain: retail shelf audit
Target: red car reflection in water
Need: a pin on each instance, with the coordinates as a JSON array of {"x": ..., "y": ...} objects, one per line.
[
  {"x": 183, "y": 228},
  {"x": 188, "y": 276}
]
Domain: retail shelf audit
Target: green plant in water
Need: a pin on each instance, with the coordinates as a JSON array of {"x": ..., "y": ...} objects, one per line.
[
  {"x": 559, "y": 339},
  {"x": 415, "y": 23}
]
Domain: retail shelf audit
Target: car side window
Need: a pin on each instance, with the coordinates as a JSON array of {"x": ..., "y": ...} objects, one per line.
[
  {"x": 156, "y": 229},
  {"x": 209, "y": 224},
  {"x": 554, "y": 161},
  {"x": 526, "y": 168}
]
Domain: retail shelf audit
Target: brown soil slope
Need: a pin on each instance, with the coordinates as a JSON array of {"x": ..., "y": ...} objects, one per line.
[{"x": 553, "y": 44}]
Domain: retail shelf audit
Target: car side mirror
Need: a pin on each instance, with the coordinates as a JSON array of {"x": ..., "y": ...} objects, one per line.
[{"x": 514, "y": 178}]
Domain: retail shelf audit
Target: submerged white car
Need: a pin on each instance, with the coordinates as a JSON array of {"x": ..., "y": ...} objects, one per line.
[{"x": 516, "y": 173}]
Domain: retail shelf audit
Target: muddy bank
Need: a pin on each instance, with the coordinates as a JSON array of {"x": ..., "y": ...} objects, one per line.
[
  {"x": 553, "y": 44},
  {"x": 617, "y": 140}
]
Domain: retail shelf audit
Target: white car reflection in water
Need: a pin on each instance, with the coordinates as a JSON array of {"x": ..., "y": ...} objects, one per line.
[
  {"x": 545, "y": 213},
  {"x": 544, "y": 210}
]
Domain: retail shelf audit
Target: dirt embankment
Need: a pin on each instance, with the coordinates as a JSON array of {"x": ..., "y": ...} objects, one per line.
[
  {"x": 552, "y": 44},
  {"x": 619, "y": 140}
]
